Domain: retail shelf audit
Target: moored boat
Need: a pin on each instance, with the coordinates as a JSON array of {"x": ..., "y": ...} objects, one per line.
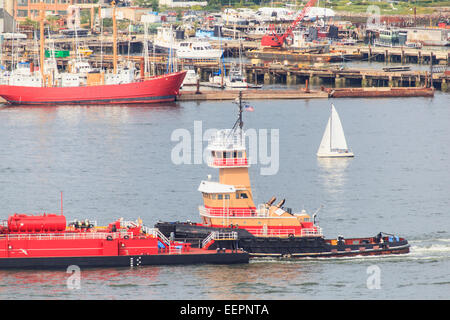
[
  {"x": 269, "y": 229},
  {"x": 45, "y": 242},
  {"x": 149, "y": 90},
  {"x": 84, "y": 86}
]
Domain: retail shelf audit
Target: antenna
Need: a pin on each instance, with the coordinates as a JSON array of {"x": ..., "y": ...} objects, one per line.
[
  {"x": 241, "y": 123},
  {"x": 315, "y": 213}
]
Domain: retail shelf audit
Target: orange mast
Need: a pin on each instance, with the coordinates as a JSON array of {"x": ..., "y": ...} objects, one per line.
[
  {"x": 41, "y": 49},
  {"x": 113, "y": 3}
]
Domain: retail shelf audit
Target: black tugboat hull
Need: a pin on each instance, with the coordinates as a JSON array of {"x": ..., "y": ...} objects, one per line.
[{"x": 296, "y": 247}]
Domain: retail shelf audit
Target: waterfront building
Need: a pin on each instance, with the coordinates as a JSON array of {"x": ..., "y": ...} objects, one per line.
[{"x": 24, "y": 9}]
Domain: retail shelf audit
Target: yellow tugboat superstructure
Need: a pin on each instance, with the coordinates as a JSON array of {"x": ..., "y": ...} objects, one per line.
[
  {"x": 268, "y": 229},
  {"x": 229, "y": 202}
]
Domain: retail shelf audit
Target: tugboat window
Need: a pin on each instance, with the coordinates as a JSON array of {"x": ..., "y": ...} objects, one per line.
[
  {"x": 244, "y": 196},
  {"x": 219, "y": 197}
]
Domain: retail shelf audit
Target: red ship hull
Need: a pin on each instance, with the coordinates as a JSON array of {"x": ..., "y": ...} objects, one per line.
[
  {"x": 152, "y": 90},
  {"x": 45, "y": 242}
]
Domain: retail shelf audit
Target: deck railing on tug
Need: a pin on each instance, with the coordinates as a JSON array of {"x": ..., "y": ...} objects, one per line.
[
  {"x": 279, "y": 232},
  {"x": 227, "y": 139},
  {"x": 233, "y": 212},
  {"x": 228, "y": 162}
]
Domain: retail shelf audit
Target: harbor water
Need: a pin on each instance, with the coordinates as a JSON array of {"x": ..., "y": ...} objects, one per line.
[{"x": 116, "y": 161}]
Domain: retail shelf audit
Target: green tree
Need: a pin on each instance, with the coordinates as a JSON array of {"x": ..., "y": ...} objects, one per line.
[{"x": 214, "y": 5}]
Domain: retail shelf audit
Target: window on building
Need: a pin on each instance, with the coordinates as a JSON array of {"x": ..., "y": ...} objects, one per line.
[{"x": 22, "y": 13}]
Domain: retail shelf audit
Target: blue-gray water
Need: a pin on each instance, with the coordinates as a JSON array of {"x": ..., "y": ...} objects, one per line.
[{"x": 113, "y": 162}]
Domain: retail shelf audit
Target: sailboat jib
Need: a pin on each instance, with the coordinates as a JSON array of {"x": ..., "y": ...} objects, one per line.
[
  {"x": 325, "y": 143},
  {"x": 333, "y": 142}
]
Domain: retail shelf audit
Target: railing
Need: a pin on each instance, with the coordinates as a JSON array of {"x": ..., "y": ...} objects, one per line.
[
  {"x": 216, "y": 235},
  {"x": 228, "y": 162},
  {"x": 262, "y": 232},
  {"x": 228, "y": 139},
  {"x": 229, "y": 212},
  {"x": 67, "y": 236},
  {"x": 308, "y": 232},
  {"x": 156, "y": 233},
  {"x": 280, "y": 232}
]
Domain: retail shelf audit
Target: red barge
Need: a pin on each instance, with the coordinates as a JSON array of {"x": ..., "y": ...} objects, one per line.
[{"x": 46, "y": 242}]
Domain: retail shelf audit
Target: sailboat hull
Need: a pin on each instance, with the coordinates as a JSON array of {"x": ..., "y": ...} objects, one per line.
[
  {"x": 152, "y": 90},
  {"x": 336, "y": 155}
]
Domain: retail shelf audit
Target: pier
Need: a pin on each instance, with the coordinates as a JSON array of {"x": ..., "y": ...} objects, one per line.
[{"x": 251, "y": 94}]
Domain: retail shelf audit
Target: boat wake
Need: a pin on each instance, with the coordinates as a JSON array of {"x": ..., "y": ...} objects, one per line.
[{"x": 430, "y": 249}]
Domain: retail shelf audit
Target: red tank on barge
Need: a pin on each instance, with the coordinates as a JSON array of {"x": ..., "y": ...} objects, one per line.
[{"x": 45, "y": 241}]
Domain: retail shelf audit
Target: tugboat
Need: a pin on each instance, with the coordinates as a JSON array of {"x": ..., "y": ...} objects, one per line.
[
  {"x": 45, "y": 242},
  {"x": 269, "y": 229}
]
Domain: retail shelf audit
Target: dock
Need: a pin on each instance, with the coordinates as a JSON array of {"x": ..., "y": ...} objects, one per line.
[
  {"x": 251, "y": 94},
  {"x": 304, "y": 93}
]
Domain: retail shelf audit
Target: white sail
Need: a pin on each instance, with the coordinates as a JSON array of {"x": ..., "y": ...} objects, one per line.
[
  {"x": 337, "y": 132},
  {"x": 333, "y": 142},
  {"x": 325, "y": 146}
]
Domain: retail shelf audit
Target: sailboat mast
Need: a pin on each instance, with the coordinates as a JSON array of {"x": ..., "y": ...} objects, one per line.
[{"x": 113, "y": 3}]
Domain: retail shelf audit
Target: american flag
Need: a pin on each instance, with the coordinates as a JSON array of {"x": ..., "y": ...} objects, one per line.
[{"x": 249, "y": 108}]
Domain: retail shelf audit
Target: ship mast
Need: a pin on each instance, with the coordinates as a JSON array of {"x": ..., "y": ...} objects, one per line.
[
  {"x": 113, "y": 3},
  {"x": 41, "y": 49},
  {"x": 239, "y": 121}
]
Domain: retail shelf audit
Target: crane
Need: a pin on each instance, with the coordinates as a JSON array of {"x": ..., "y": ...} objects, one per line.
[{"x": 276, "y": 41}]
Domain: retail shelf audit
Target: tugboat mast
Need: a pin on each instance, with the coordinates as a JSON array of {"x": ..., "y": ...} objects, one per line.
[{"x": 239, "y": 121}]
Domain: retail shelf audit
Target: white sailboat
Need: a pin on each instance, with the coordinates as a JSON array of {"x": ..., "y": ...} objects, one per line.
[{"x": 333, "y": 142}]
